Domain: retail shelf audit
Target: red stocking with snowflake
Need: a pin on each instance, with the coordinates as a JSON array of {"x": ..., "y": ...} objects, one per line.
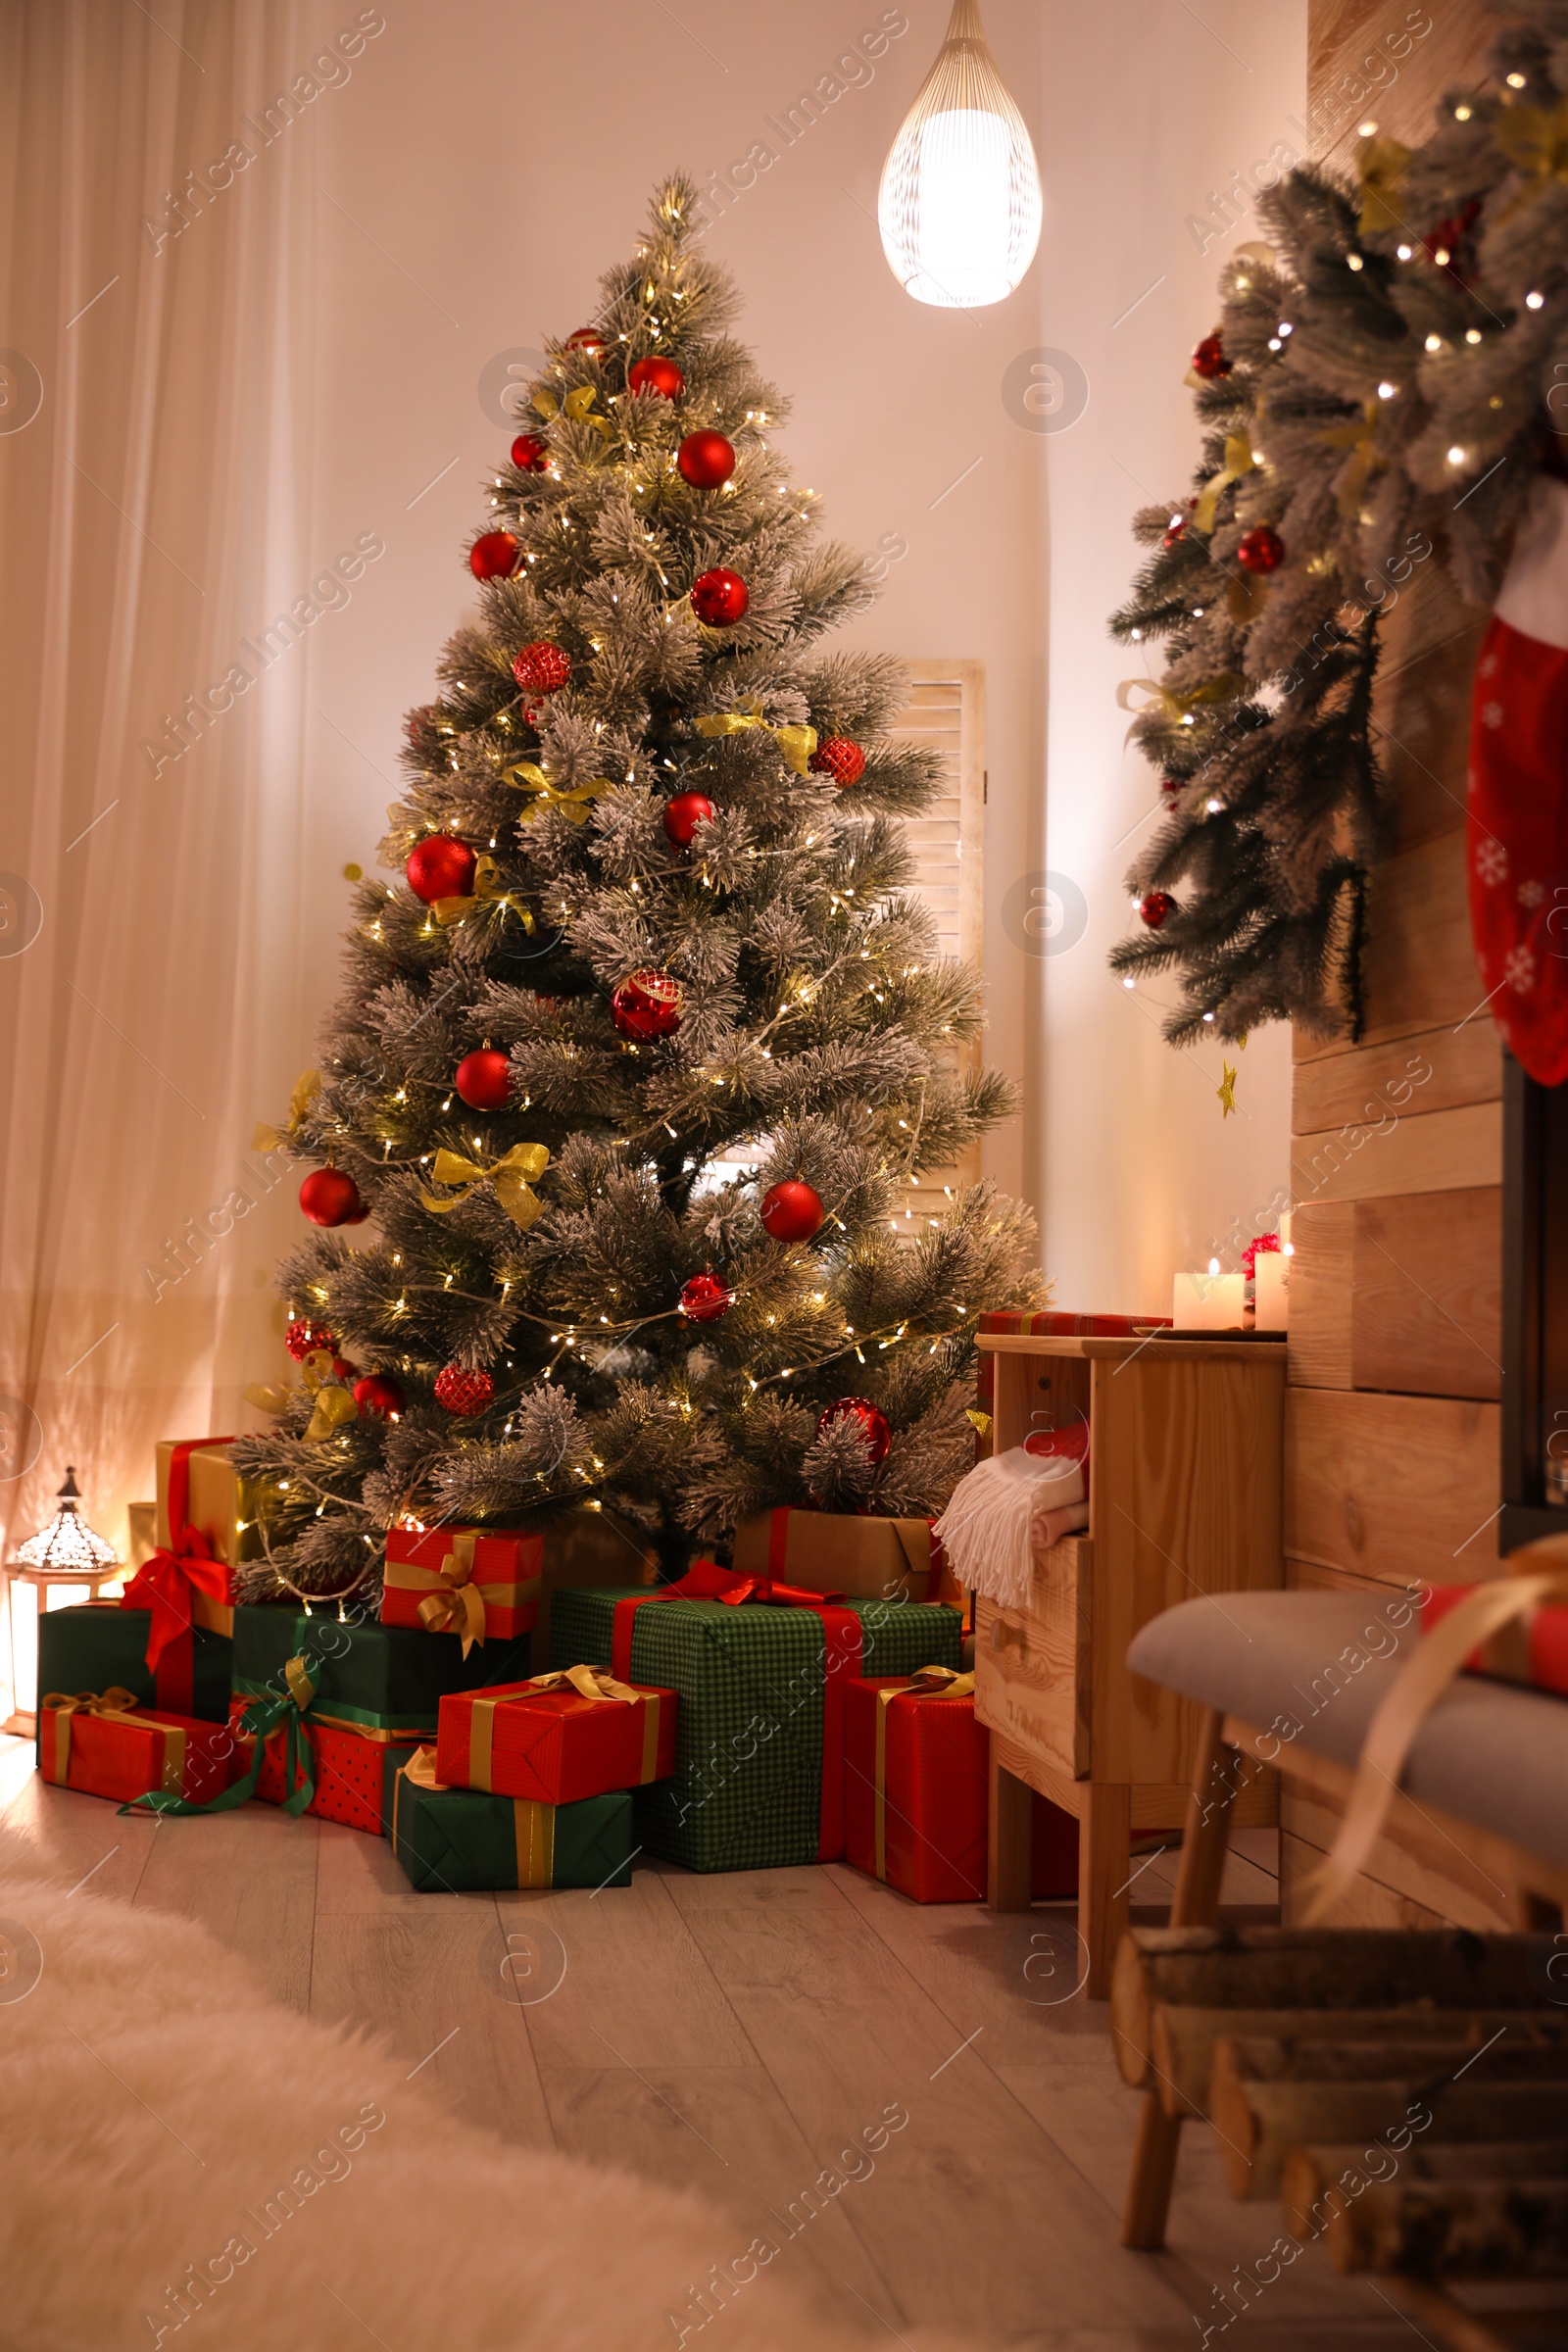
[{"x": 1518, "y": 801}]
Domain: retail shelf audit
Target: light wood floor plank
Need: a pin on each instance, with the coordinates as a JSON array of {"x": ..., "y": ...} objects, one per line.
[
  {"x": 250, "y": 1876},
  {"x": 82, "y": 1841}
]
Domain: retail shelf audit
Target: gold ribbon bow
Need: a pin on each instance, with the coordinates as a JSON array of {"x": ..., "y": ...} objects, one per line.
[
  {"x": 1358, "y": 438},
  {"x": 1484, "y": 1610},
  {"x": 460, "y": 1609},
  {"x": 1536, "y": 142},
  {"x": 572, "y": 801},
  {"x": 486, "y": 889},
  {"x": 334, "y": 1403},
  {"x": 937, "y": 1681},
  {"x": 576, "y": 406},
  {"x": 512, "y": 1178},
  {"x": 112, "y": 1703},
  {"x": 589, "y": 1682},
  {"x": 796, "y": 743},
  {"x": 420, "y": 1770},
  {"x": 1381, "y": 166},
  {"x": 1239, "y": 460},
  {"x": 307, "y": 1086},
  {"x": 1173, "y": 708}
]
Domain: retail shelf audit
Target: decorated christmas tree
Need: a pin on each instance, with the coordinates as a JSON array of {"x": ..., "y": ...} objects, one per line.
[{"x": 642, "y": 1044}]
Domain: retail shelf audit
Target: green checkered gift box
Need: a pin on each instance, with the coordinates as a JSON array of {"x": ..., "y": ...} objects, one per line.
[
  {"x": 760, "y": 1669},
  {"x": 461, "y": 1841}
]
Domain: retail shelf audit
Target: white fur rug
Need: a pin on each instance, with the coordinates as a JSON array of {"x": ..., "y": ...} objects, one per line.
[{"x": 155, "y": 2104}]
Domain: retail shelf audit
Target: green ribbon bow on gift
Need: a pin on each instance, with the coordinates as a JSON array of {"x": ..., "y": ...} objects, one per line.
[{"x": 262, "y": 1715}]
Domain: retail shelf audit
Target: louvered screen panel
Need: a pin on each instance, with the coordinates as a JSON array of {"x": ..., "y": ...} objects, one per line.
[{"x": 945, "y": 713}]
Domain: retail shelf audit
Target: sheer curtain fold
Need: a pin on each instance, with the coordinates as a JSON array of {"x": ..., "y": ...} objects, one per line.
[{"x": 155, "y": 487}]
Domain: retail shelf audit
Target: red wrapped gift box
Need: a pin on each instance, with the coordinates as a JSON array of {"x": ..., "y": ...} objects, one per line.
[
  {"x": 347, "y": 1768},
  {"x": 1533, "y": 1649},
  {"x": 915, "y": 1793},
  {"x": 557, "y": 1738},
  {"x": 469, "y": 1581},
  {"x": 183, "y": 1582},
  {"x": 107, "y": 1747}
]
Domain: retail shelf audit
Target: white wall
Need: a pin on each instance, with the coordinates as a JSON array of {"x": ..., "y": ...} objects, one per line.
[{"x": 483, "y": 166}]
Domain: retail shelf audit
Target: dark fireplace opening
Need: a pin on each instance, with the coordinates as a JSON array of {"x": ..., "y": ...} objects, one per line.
[{"x": 1534, "y": 1309}]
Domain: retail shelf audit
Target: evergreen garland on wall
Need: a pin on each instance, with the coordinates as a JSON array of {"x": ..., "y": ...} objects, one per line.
[{"x": 1389, "y": 372}]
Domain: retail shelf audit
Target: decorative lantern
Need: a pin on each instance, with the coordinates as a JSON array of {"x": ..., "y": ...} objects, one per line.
[
  {"x": 65, "y": 1555},
  {"x": 960, "y": 205}
]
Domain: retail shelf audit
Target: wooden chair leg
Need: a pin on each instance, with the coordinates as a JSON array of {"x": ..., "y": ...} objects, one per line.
[
  {"x": 1008, "y": 1873},
  {"x": 1104, "y": 1866},
  {"x": 1210, "y": 1803}
]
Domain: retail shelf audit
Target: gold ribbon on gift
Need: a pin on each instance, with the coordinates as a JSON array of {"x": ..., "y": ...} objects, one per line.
[
  {"x": 1173, "y": 708},
  {"x": 1358, "y": 438},
  {"x": 533, "y": 1825},
  {"x": 1381, "y": 166},
  {"x": 1535, "y": 140},
  {"x": 1239, "y": 460},
  {"x": 307, "y": 1086},
  {"x": 588, "y": 1682},
  {"x": 796, "y": 743},
  {"x": 452, "y": 1602},
  {"x": 487, "y": 892},
  {"x": 926, "y": 1682},
  {"x": 114, "y": 1705},
  {"x": 1440, "y": 1655},
  {"x": 576, "y": 406},
  {"x": 512, "y": 1178},
  {"x": 572, "y": 800}
]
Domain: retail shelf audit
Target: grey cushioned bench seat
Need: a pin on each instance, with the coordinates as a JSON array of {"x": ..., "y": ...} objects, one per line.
[{"x": 1311, "y": 1668}]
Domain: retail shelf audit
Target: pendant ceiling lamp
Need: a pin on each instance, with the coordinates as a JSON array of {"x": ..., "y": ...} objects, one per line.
[{"x": 960, "y": 202}]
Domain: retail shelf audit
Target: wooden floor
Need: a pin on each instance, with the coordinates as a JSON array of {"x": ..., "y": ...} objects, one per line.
[{"x": 733, "y": 2033}]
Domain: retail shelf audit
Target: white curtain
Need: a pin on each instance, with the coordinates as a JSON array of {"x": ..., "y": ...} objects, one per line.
[{"x": 156, "y": 403}]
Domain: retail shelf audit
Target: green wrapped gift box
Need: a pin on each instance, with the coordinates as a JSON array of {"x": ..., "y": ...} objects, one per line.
[
  {"x": 383, "y": 1678},
  {"x": 462, "y": 1840},
  {"x": 758, "y": 1780},
  {"x": 96, "y": 1644}
]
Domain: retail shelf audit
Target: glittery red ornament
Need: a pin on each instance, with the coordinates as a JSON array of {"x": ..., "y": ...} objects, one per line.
[
  {"x": 330, "y": 1196},
  {"x": 541, "y": 668},
  {"x": 484, "y": 1080},
  {"x": 494, "y": 556},
  {"x": 1155, "y": 907},
  {"x": 585, "y": 338},
  {"x": 302, "y": 1337},
  {"x": 1209, "y": 361},
  {"x": 720, "y": 598},
  {"x": 684, "y": 814},
  {"x": 378, "y": 1394},
  {"x": 792, "y": 1210},
  {"x": 706, "y": 459},
  {"x": 461, "y": 1392},
  {"x": 840, "y": 759},
  {"x": 704, "y": 1299},
  {"x": 873, "y": 1425},
  {"x": 1260, "y": 550},
  {"x": 440, "y": 867},
  {"x": 646, "y": 1004},
  {"x": 657, "y": 376},
  {"x": 529, "y": 453}
]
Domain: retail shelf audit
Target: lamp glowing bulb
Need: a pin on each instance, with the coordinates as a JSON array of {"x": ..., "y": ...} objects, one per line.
[{"x": 960, "y": 205}]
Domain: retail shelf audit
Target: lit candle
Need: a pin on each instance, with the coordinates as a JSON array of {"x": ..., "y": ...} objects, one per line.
[{"x": 1211, "y": 1302}]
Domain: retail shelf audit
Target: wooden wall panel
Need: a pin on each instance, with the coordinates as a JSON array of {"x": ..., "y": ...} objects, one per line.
[
  {"x": 1322, "y": 1269},
  {"x": 1427, "y": 1293},
  {"x": 1420, "y": 971},
  {"x": 1390, "y": 1486},
  {"x": 1441, "y": 1152},
  {"x": 1433, "y": 1069}
]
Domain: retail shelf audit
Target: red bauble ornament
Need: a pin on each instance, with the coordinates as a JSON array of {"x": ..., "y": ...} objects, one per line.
[
  {"x": 1155, "y": 907},
  {"x": 873, "y": 1425},
  {"x": 657, "y": 376},
  {"x": 458, "y": 1391},
  {"x": 585, "y": 338},
  {"x": 705, "y": 1299},
  {"x": 684, "y": 814},
  {"x": 378, "y": 1394},
  {"x": 529, "y": 453},
  {"x": 302, "y": 1337},
  {"x": 646, "y": 1004},
  {"x": 441, "y": 867},
  {"x": 1260, "y": 550},
  {"x": 484, "y": 1080},
  {"x": 1209, "y": 361},
  {"x": 494, "y": 556},
  {"x": 840, "y": 759},
  {"x": 541, "y": 668},
  {"x": 720, "y": 598},
  {"x": 792, "y": 1210},
  {"x": 345, "y": 1370},
  {"x": 706, "y": 459},
  {"x": 330, "y": 1196}
]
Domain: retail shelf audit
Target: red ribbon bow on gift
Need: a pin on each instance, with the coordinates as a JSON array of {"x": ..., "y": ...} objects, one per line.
[
  {"x": 704, "y": 1580},
  {"x": 165, "y": 1583}
]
